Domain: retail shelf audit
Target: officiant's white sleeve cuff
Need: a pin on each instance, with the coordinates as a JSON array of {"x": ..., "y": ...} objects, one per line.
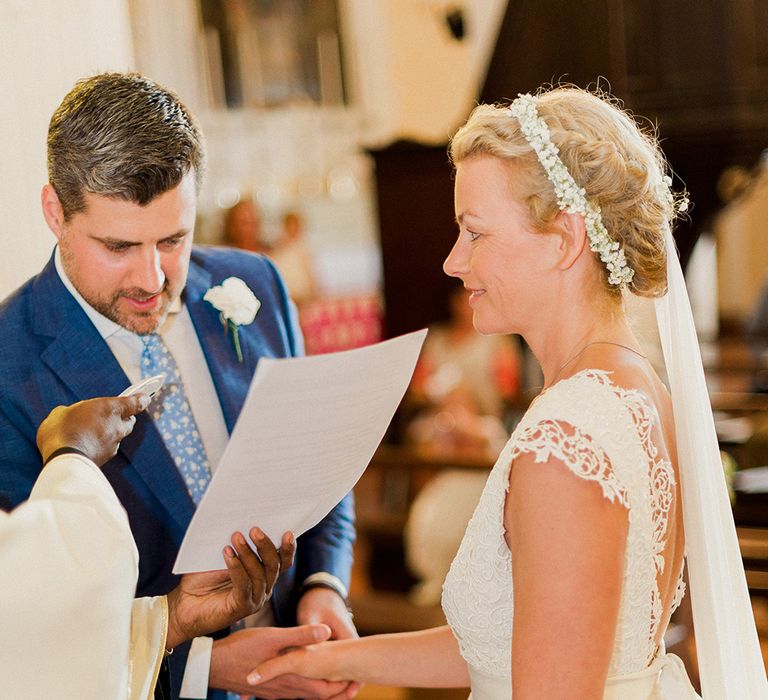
[
  {"x": 198, "y": 668},
  {"x": 149, "y": 627}
]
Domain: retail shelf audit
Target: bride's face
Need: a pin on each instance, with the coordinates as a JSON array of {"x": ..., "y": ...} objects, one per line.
[{"x": 498, "y": 256}]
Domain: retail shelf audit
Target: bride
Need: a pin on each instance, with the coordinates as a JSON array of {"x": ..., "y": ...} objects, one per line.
[{"x": 572, "y": 563}]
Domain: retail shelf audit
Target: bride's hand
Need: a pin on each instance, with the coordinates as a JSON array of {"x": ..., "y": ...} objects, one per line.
[{"x": 319, "y": 661}]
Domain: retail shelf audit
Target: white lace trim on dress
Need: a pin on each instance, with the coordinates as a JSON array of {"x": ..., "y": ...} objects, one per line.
[
  {"x": 576, "y": 450},
  {"x": 606, "y": 449}
]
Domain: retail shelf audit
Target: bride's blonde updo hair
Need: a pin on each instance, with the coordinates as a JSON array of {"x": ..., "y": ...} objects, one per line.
[{"x": 619, "y": 165}]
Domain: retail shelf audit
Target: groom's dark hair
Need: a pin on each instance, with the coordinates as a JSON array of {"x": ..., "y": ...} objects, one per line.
[{"x": 121, "y": 135}]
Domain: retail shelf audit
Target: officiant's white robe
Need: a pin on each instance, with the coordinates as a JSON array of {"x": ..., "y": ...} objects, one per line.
[{"x": 69, "y": 624}]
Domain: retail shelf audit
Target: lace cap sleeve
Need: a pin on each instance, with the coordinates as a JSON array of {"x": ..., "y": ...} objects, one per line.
[
  {"x": 589, "y": 426},
  {"x": 576, "y": 450}
]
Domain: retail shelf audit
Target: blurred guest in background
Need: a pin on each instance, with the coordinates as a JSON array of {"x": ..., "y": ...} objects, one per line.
[
  {"x": 242, "y": 227},
  {"x": 757, "y": 335},
  {"x": 294, "y": 260},
  {"x": 462, "y": 385}
]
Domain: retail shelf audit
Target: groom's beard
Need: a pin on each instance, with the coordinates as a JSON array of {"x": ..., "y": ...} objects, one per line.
[{"x": 135, "y": 309}]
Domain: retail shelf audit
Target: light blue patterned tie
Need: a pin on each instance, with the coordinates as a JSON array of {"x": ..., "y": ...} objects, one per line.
[{"x": 173, "y": 417}]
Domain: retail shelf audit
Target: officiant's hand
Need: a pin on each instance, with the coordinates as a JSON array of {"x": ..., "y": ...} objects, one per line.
[
  {"x": 209, "y": 601},
  {"x": 93, "y": 428}
]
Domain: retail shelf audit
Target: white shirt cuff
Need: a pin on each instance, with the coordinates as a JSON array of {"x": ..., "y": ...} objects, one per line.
[
  {"x": 322, "y": 578},
  {"x": 198, "y": 668}
]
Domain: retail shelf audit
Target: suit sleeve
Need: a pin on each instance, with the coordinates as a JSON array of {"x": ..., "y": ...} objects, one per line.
[
  {"x": 20, "y": 462},
  {"x": 328, "y": 546}
]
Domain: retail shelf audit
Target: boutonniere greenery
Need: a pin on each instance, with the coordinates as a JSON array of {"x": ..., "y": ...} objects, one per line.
[{"x": 237, "y": 306}]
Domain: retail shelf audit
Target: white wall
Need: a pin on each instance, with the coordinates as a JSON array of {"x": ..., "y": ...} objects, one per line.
[
  {"x": 407, "y": 75},
  {"x": 45, "y": 46},
  {"x": 165, "y": 35}
]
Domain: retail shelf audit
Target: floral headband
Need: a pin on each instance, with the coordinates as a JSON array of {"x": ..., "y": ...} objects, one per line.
[{"x": 570, "y": 197}]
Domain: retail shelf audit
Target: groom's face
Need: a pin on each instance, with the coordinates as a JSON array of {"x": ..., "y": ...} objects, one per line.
[{"x": 128, "y": 261}]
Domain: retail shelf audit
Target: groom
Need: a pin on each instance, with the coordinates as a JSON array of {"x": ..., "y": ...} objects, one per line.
[{"x": 121, "y": 298}]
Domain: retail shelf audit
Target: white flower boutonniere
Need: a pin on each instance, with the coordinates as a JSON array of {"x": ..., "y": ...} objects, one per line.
[{"x": 237, "y": 306}]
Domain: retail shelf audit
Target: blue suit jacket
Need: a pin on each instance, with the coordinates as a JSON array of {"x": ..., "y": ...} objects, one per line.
[{"x": 51, "y": 354}]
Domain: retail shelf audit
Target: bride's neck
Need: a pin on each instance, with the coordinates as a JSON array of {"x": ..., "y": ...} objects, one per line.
[{"x": 572, "y": 329}]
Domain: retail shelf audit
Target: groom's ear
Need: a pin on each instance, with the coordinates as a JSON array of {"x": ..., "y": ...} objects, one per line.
[
  {"x": 573, "y": 238},
  {"x": 53, "y": 212}
]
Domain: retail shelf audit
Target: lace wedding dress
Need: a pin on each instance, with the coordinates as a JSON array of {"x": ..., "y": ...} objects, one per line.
[{"x": 602, "y": 433}]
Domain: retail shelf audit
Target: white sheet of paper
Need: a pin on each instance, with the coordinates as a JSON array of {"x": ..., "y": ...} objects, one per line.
[{"x": 308, "y": 429}]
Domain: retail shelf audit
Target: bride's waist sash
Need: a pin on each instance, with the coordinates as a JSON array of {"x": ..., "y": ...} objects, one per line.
[
  {"x": 664, "y": 679},
  {"x": 488, "y": 687}
]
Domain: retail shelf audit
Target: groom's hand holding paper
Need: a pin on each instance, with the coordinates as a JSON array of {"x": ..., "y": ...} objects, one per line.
[{"x": 307, "y": 431}]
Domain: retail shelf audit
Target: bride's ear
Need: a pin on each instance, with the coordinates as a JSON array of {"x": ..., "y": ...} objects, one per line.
[{"x": 573, "y": 238}]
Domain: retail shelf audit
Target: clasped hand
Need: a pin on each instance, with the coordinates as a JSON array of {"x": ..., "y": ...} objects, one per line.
[
  {"x": 319, "y": 661},
  {"x": 322, "y": 615}
]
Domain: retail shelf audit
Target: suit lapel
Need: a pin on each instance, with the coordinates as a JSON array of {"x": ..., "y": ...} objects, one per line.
[
  {"x": 77, "y": 354},
  {"x": 82, "y": 360},
  {"x": 230, "y": 377}
]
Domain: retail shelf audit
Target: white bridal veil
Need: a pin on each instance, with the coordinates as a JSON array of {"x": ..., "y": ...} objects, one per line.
[{"x": 727, "y": 646}]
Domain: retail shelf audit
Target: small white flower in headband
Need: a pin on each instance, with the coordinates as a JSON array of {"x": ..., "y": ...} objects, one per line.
[
  {"x": 664, "y": 190},
  {"x": 570, "y": 197}
]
